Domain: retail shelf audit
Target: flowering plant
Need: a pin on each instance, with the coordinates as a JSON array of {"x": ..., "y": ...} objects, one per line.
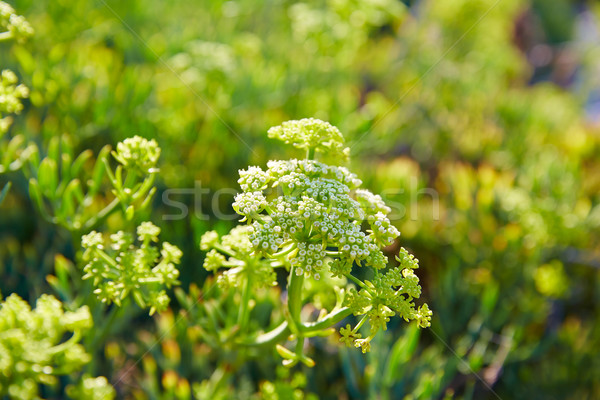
[
  {"x": 314, "y": 221},
  {"x": 33, "y": 352}
]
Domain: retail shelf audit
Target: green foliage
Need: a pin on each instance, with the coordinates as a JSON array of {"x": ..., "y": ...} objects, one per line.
[
  {"x": 492, "y": 180},
  {"x": 69, "y": 194}
]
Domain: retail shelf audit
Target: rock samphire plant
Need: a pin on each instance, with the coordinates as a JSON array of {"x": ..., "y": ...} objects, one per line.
[{"x": 313, "y": 223}]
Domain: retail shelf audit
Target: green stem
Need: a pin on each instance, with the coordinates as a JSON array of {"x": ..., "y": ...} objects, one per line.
[
  {"x": 275, "y": 335},
  {"x": 360, "y": 323},
  {"x": 108, "y": 324},
  {"x": 101, "y": 216},
  {"x": 295, "y": 297},
  {"x": 108, "y": 259},
  {"x": 72, "y": 340},
  {"x": 310, "y": 153},
  {"x": 285, "y": 251},
  {"x": 223, "y": 250},
  {"x": 300, "y": 345},
  {"x": 279, "y": 333},
  {"x": 358, "y": 282},
  {"x": 327, "y": 322},
  {"x": 130, "y": 179},
  {"x": 102, "y": 334},
  {"x": 244, "y": 313}
]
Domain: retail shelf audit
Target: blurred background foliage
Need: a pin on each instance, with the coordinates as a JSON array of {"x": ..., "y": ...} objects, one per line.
[{"x": 477, "y": 121}]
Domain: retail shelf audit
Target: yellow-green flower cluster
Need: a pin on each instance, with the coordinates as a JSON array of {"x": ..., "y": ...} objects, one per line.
[
  {"x": 390, "y": 293},
  {"x": 11, "y": 95},
  {"x": 311, "y": 133},
  {"x": 138, "y": 153},
  {"x": 123, "y": 268},
  {"x": 90, "y": 388},
  {"x": 13, "y": 26},
  {"x": 241, "y": 260},
  {"x": 33, "y": 349}
]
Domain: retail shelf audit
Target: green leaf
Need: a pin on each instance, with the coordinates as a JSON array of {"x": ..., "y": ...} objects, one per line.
[
  {"x": 129, "y": 213},
  {"x": 490, "y": 298},
  {"x": 401, "y": 353},
  {"x": 35, "y": 192},
  {"x": 66, "y": 160},
  {"x": 71, "y": 196},
  {"x": 77, "y": 165},
  {"x": 286, "y": 353},
  {"x": 34, "y": 159},
  {"x": 54, "y": 149},
  {"x": 4, "y": 192},
  {"x": 62, "y": 268},
  {"x": 66, "y": 146},
  {"x": 98, "y": 173},
  {"x": 137, "y": 296},
  {"x": 48, "y": 177}
]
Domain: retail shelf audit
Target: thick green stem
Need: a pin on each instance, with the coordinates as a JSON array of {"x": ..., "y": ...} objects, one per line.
[
  {"x": 115, "y": 312},
  {"x": 130, "y": 179},
  {"x": 310, "y": 153},
  {"x": 295, "y": 297}
]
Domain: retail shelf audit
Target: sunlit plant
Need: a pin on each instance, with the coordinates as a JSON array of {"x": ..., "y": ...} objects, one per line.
[
  {"x": 314, "y": 221},
  {"x": 33, "y": 349},
  {"x": 121, "y": 268},
  {"x": 12, "y": 150}
]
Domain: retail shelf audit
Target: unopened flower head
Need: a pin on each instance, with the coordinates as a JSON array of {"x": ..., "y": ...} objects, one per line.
[
  {"x": 138, "y": 153},
  {"x": 311, "y": 133},
  {"x": 11, "y": 93}
]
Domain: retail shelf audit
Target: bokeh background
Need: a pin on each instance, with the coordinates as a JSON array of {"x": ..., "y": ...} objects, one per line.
[{"x": 477, "y": 120}]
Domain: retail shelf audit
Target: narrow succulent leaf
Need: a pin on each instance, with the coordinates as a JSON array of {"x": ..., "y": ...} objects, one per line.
[
  {"x": 4, "y": 191},
  {"x": 48, "y": 177},
  {"x": 79, "y": 162},
  {"x": 35, "y": 192},
  {"x": 98, "y": 172},
  {"x": 54, "y": 149},
  {"x": 66, "y": 161}
]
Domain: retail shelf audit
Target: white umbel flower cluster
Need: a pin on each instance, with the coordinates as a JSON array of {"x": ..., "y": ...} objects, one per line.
[{"x": 319, "y": 208}]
